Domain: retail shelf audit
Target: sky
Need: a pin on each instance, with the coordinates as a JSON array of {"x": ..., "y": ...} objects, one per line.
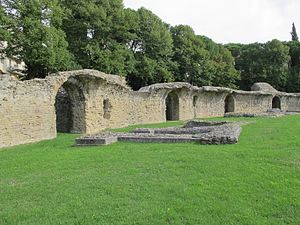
[{"x": 229, "y": 21}]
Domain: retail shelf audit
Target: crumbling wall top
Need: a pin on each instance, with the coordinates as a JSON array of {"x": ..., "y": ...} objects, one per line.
[
  {"x": 265, "y": 87},
  {"x": 168, "y": 86},
  {"x": 61, "y": 77}
]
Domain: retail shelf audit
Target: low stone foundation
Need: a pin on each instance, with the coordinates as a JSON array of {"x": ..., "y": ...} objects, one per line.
[
  {"x": 269, "y": 113},
  {"x": 194, "y": 131}
]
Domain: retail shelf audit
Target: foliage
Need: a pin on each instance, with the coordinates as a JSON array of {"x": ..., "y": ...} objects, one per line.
[
  {"x": 97, "y": 32},
  {"x": 4, "y": 34},
  {"x": 37, "y": 38},
  {"x": 190, "y": 56},
  {"x": 294, "y": 33},
  {"x": 152, "y": 48},
  {"x": 53, "y": 35},
  {"x": 201, "y": 61},
  {"x": 52, "y": 182},
  {"x": 262, "y": 63},
  {"x": 293, "y": 84},
  {"x": 224, "y": 72}
]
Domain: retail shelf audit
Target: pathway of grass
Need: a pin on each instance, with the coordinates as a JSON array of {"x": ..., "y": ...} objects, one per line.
[{"x": 256, "y": 181}]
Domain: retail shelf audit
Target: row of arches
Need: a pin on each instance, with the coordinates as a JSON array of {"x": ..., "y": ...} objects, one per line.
[
  {"x": 70, "y": 107},
  {"x": 172, "y": 105},
  {"x": 230, "y": 103}
]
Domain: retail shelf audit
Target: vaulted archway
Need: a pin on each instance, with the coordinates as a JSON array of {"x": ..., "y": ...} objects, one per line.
[
  {"x": 276, "y": 103},
  {"x": 172, "y": 107},
  {"x": 229, "y": 104},
  {"x": 70, "y": 108}
]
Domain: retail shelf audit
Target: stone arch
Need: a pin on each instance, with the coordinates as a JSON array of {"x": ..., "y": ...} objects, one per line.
[
  {"x": 276, "y": 103},
  {"x": 172, "y": 106},
  {"x": 229, "y": 104},
  {"x": 70, "y": 107}
]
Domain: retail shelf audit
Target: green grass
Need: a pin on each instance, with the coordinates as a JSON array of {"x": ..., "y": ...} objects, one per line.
[{"x": 256, "y": 181}]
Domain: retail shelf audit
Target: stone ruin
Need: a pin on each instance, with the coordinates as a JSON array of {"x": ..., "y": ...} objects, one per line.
[
  {"x": 89, "y": 101},
  {"x": 202, "y": 132}
]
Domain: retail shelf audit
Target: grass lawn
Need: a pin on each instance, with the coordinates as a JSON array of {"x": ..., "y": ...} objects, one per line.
[{"x": 256, "y": 181}]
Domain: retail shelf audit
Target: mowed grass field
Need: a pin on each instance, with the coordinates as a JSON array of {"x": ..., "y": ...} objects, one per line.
[{"x": 256, "y": 181}]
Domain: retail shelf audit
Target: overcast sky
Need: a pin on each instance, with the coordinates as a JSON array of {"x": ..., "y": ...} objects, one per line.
[{"x": 225, "y": 21}]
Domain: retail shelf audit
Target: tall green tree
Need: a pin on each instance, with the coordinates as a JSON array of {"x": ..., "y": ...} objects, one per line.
[
  {"x": 152, "y": 47},
  {"x": 36, "y": 36},
  {"x": 98, "y": 32},
  {"x": 262, "y": 63},
  {"x": 4, "y": 34},
  {"x": 201, "y": 61},
  {"x": 224, "y": 73},
  {"x": 190, "y": 56},
  {"x": 294, "y": 33},
  {"x": 293, "y": 84},
  {"x": 277, "y": 59}
]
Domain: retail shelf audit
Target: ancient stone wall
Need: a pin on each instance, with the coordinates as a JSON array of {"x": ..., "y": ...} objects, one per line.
[
  {"x": 87, "y": 101},
  {"x": 209, "y": 104},
  {"x": 291, "y": 103},
  {"x": 25, "y": 112},
  {"x": 251, "y": 102}
]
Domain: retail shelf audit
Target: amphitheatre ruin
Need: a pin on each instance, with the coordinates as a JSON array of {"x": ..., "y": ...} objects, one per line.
[{"x": 88, "y": 101}]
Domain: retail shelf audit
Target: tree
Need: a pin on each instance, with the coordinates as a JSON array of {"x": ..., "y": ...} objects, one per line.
[
  {"x": 262, "y": 63},
  {"x": 4, "y": 34},
  {"x": 225, "y": 74},
  {"x": 98, "y": 33},
  {"x": 201, "y": 61},
  {"x": 293, "y": 84},
  {"x": 294, "y": 33},
  {"x": 190, "y": 56},
  {"x": 277, "y": 58},
  {"x": 152, "y": 46},
  {"x": 36, "y": 36}
]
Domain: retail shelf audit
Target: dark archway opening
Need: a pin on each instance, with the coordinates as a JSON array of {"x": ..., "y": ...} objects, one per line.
[
  {"x": 229, "y": 104},
  {"x": 195, "y": 100},
  {"x": 276, "y": 103},
  {"x": 70, "y": 109},
  {"x": 63, "y": 111},
  {"x": 172, "y": 107}
]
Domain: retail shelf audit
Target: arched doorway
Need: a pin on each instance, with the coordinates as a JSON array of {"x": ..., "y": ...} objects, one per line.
[
  {"x": 70, "y": 109},
  {"x": 172, "y": 107},
  {"x": 229, "y": 104},
  {"x": 276, "y": 103}
]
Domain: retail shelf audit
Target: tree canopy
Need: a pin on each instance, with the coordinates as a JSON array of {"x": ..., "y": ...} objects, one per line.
[
  {"x": 152, "y": 47},
  {"x": 36, "y": 35},
  {"x": 262, "y": 63},
  {"x": 294, "y": 33},
  {"x": 200, "y": 61},
  {"x": 54, "y": 35}
]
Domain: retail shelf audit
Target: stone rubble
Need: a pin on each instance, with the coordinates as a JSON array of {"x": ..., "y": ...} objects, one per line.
[
  {"x": 202, "y": 132},
  {"x": 269, "y": 113}
]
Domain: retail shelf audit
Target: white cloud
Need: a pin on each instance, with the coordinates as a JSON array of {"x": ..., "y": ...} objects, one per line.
[{"x": 229, "y": 20}]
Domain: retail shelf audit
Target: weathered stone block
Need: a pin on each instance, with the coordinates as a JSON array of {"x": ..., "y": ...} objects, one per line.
[{"x": 91, "y": 141}]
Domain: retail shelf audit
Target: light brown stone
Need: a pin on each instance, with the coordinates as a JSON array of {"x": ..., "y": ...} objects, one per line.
[{"x": 100, "y": 101}]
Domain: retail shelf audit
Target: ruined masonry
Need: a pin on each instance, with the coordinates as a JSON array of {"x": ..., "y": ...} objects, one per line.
[
  {"x": 88, "y": 101},
  {"x": 202, "y": 132}
]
